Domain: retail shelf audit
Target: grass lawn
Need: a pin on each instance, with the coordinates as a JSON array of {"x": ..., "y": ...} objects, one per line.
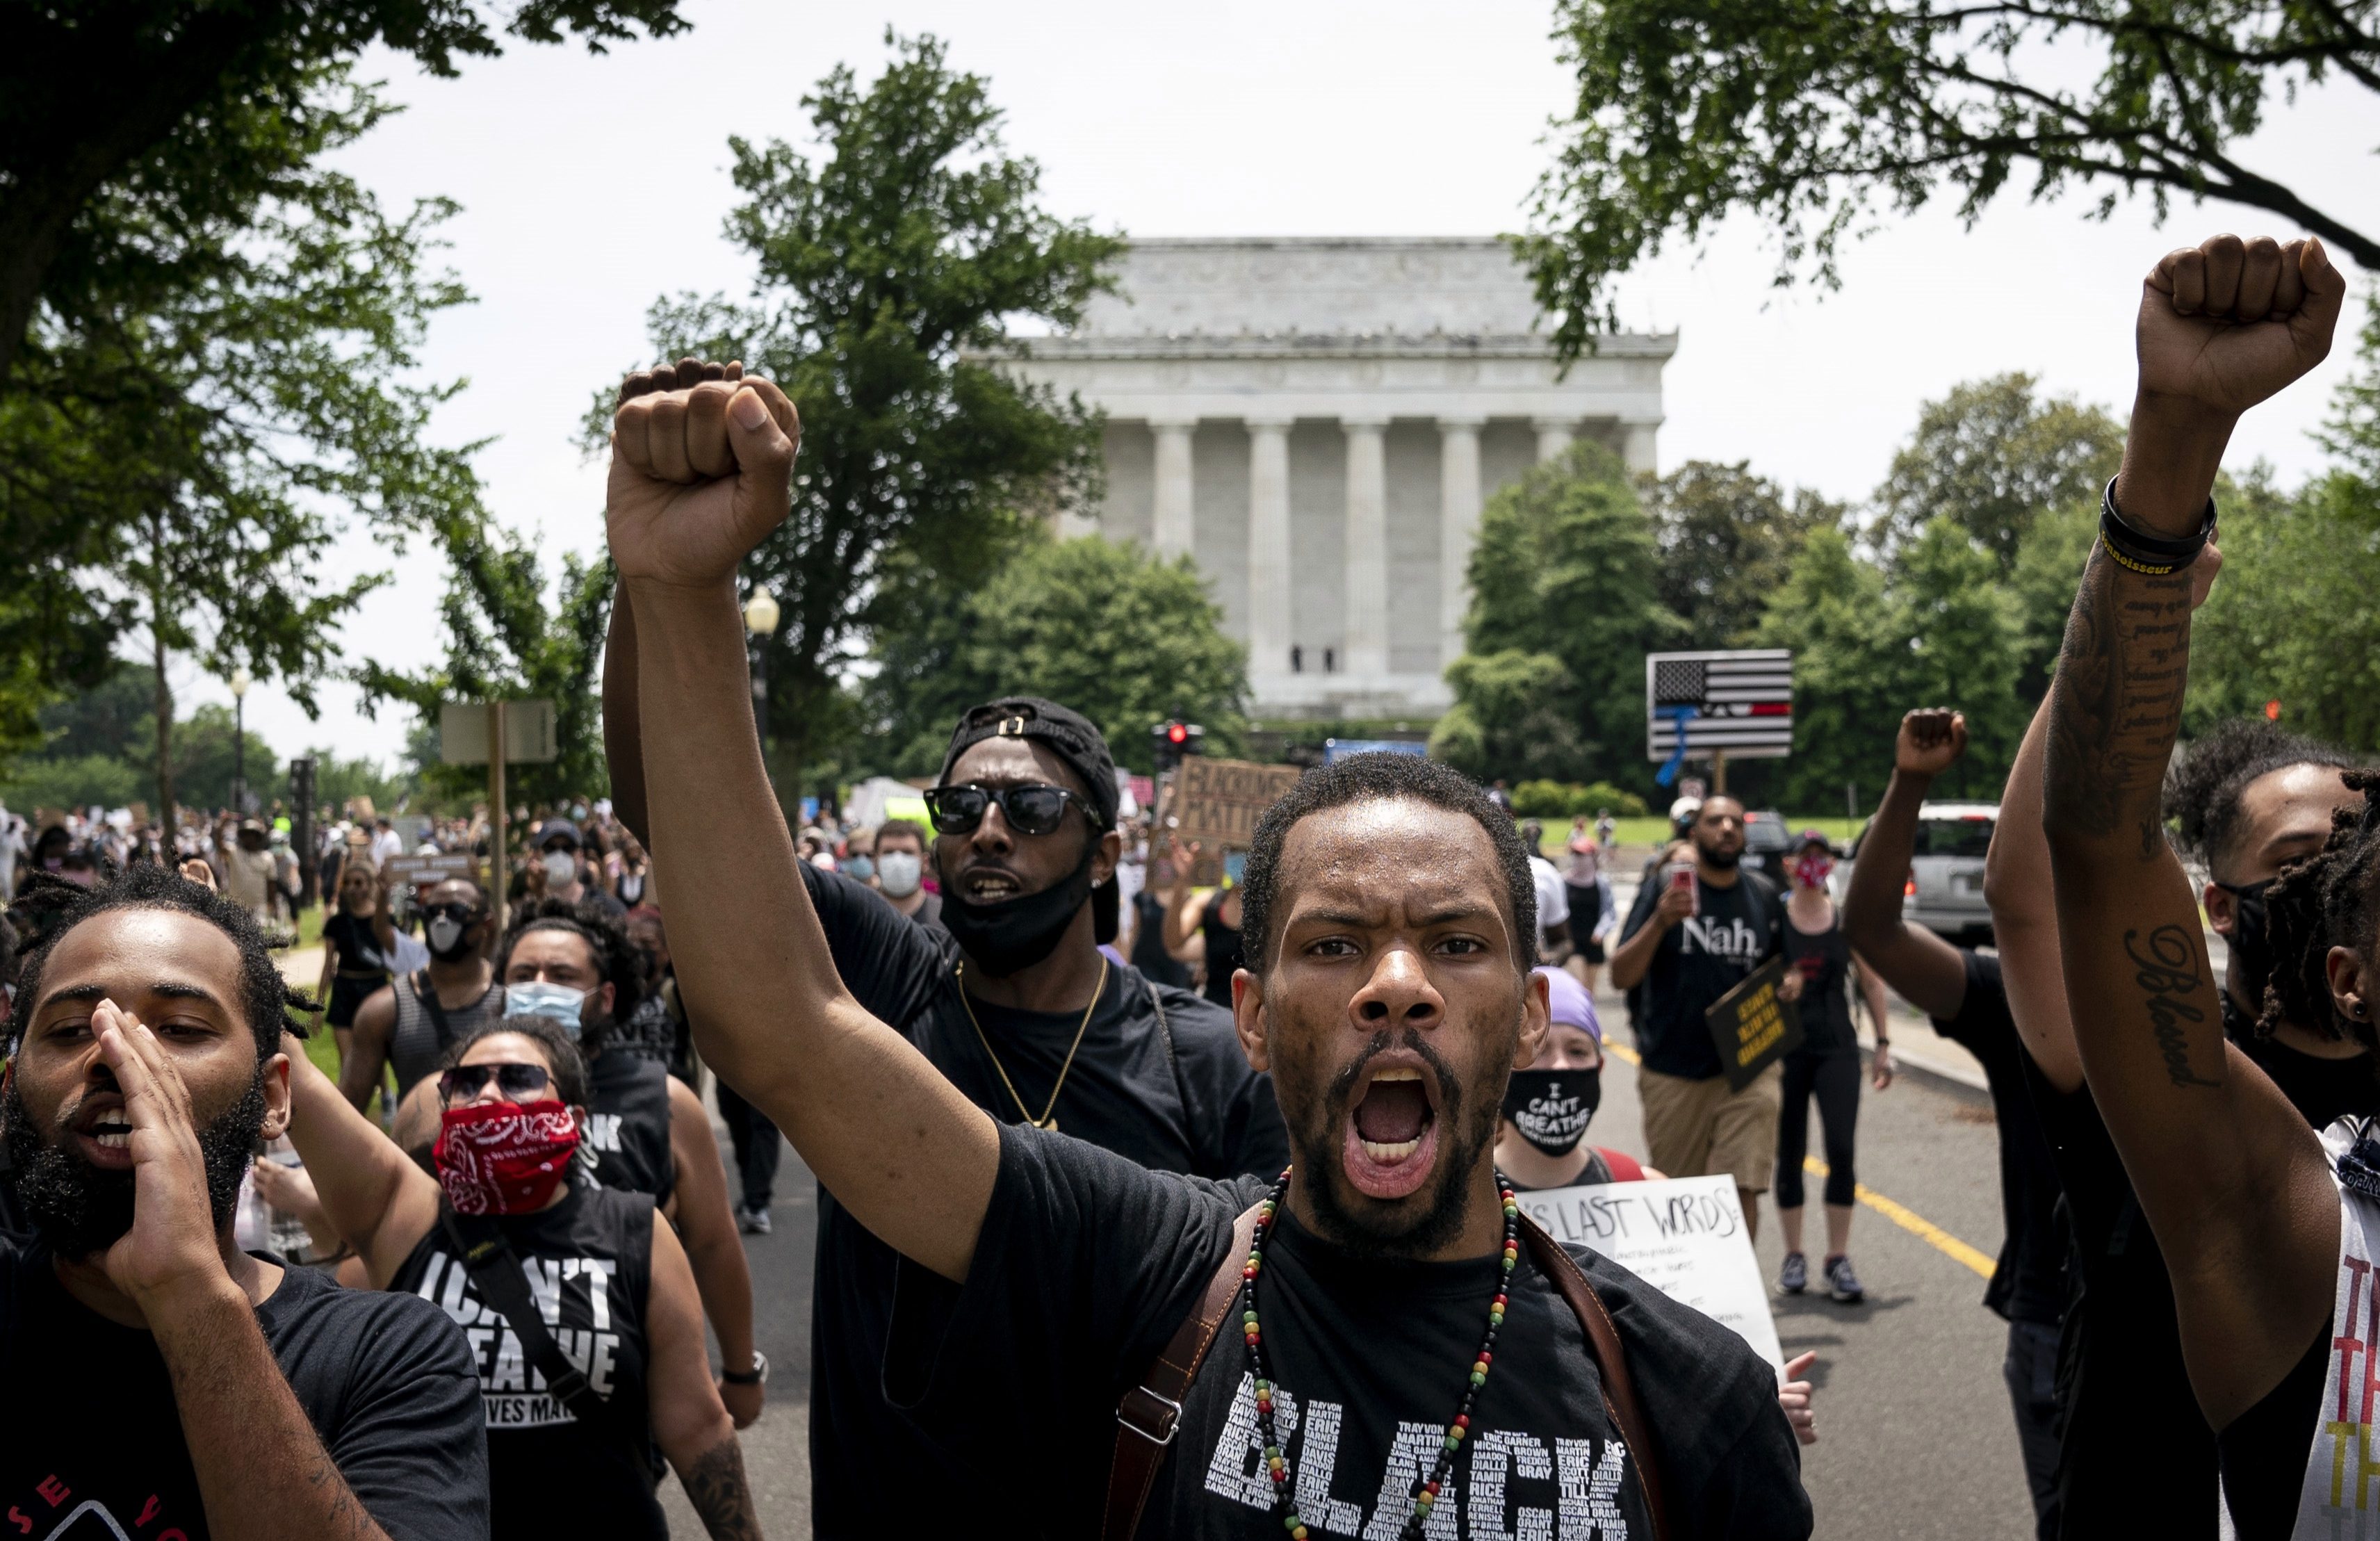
[{"x": 1652, "y": 832}]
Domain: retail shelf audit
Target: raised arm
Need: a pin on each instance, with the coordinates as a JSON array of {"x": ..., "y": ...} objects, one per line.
[
  {"x": 705, "y": 1224},
  {"x": 1927, "y": 971},
  {"x": 624, "y": 753},
  {"x": 2233, "y": 1182},
  {"x": 380, "y": 1202},
  {"x": 699, "y": 476}
]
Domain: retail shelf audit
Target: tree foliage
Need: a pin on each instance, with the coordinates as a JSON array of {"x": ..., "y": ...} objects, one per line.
[
  {"x": 1726, "y": 538},
  {"x": 1991, "y": 458},
  {"x": 1127, "y": 639},
  {"x": 1810, "y": 115},
  {"x": 1565, "y": 605},
  {"x": 514, "y": 634},
  {"x": 891, "y": 269}
]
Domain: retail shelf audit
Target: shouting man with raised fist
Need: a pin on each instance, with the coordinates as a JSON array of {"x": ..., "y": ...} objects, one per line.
[
  {"x": 1406, "y": 1353},
  {"x": 2268, "y": 1228}
]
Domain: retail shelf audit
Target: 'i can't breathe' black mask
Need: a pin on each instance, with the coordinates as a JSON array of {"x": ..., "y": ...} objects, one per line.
[{"x": 1552, "y": 1108}]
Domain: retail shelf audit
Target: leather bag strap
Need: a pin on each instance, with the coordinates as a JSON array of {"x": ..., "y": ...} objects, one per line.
[
  {"x": 1611, "y": 1359},
  {"x": 1150, "y": 1413}
]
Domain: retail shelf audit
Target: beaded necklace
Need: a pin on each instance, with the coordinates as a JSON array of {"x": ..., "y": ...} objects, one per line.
[{"x": 1277, "y": 1464}]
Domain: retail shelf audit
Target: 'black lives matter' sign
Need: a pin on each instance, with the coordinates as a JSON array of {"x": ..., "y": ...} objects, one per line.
[{"x": 1752, "y": 1027}]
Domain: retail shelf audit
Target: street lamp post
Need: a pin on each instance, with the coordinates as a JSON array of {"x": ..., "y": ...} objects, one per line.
[{"x": 240, "y": 681}]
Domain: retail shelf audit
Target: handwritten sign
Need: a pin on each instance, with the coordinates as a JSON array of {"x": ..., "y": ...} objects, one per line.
[
  {"x": 1684, "y": 1236},
  {"x": 422, "y": 872},
  {"x": 1752, "y": 1027},
  {"x": 1217, "y": 802}
]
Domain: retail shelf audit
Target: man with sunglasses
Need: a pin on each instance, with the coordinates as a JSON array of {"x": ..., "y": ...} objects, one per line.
[
  {"x": 412, "y": 1020},
  {"x": 1013, "y": 1001}
]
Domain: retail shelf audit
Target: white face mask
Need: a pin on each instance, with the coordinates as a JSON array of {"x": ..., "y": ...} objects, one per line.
[
  {"x": 537, "y": 998},
  {"x": 560, "y": 867},
  {"x": 899, "y": 872},
  {"x": 444, "y": 932}
]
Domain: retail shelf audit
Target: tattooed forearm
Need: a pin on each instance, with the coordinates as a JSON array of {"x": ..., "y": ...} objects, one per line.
[
  {"x": 2167, "y": 972},
  {"x": 2120, "y": 679},
  {"x": 716, "y": 1487}
]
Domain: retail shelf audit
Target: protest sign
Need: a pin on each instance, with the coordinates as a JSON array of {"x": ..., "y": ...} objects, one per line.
[
  {"x": 1217, "y": 804},
  {"x": 420, "y": 871},
  {"x": 1753, "y": 1025},
  {"x": 1684, "y": 1236}
]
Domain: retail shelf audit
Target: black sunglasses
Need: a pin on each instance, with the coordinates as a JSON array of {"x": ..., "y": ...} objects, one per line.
[
  {"x": 515, "y": 1081},
  {"x": 454, "y": 910},
  {"x": 1034, "y": 809}
]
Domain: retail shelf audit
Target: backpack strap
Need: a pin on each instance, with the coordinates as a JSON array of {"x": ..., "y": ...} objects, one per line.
[
  {"x": 1150, "y": 1413},
  {"x": 1611, "y": 1359},
  {"x": 496, "y": 1271}
]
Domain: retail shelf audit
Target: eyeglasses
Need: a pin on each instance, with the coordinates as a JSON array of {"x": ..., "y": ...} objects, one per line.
[
  {"x": 1034, "y": 809},
  {"x": 454, "y": 910},
  {"x": 515, "y": 1081}
]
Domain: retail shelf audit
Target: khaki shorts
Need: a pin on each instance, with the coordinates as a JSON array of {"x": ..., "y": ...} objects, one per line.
[{"x": 1701, "y": 1129}]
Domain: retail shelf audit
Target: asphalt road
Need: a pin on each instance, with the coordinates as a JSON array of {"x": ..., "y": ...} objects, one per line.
[{"x": 1915, "y": 1440}]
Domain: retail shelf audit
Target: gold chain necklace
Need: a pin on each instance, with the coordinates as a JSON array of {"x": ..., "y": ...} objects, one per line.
[{"x": 1046, "y": 1121}]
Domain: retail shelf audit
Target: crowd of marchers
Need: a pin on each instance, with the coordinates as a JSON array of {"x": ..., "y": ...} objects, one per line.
[{"x": 1159, "y": 1209}]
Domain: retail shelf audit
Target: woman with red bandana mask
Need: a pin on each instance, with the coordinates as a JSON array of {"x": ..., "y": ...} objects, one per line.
[
  {"x": 615, "y": 1289},
  {"x": 1826, "y": 1066}
]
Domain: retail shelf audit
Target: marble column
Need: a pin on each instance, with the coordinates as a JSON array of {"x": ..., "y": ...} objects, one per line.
[
  {"x": 1458, "y": 527},
  {"x": 1172, "y": 532},
  {"x": 1554, "y": 435},
  {"x": 1637, "y": 445},
  {"x": 1366, "y": 629},
  {"x": 1269, "y": 605}
]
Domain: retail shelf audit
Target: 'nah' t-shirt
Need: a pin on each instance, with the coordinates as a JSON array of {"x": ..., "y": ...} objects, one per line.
[
  {"x": 1177, "y": 1095},
  {"x": 589, "y": 1265},
  {"x": 1698, "y": 960},
  {"x": 96, "y": 1449},
  {"x": 1087, "y": 1264}
]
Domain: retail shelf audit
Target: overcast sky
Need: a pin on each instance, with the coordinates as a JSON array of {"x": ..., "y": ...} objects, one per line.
[{"x": 591, "y": 185}]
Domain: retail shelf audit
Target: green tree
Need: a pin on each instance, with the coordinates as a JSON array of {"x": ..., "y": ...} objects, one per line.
[
  {"x": 1990, "y": 456},
  {"x": 1127, "y": 639},
  {"x": 1566, "y": 570},
  {"x": 1811, "y": 113},
  {"x": 512, "y": 634},
  {"x": 890, "y": 271},
  {"x": 1726, "y": 539},
  {"x": 207, "y": 752},
  {"x": 1831, "y": 610},
  {"x": 122, "y": 121},
  {"x": 1959, "y": 637},
  {"x": 2048, "y": 569}
]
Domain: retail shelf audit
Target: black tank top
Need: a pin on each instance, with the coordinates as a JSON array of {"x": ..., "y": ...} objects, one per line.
[
  {"x": 2264, "y": 1449},
  {"x": 1222, "y": 951},
  {"x": 425, "y": 1030},
  {"x": 628, "y": 1123},
  {"x": 590, "y": 1266},
  {"x": 1825, "y": 960}
]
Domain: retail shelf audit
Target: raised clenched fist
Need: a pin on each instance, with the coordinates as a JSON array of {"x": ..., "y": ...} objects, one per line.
[
  {"x": 701, "y": 469},
  {"x": 2230, "y": 324},
  {"x": 1931, "y": 738}
]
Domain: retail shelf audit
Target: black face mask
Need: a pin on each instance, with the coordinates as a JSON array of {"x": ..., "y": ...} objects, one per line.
[
  {"x": 1552, "y": 1108},
  {"x": 2251, "y": 950},
  {"x": 1015, "y": 934}
]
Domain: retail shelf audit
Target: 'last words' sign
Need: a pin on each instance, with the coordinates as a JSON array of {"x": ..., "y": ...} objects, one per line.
[{"x": 1685, "y": 1236}]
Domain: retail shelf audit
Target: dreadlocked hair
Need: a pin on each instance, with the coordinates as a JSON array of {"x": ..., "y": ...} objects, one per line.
[
  {"x": 266, "y": 999},
  {"x": 2331, "y": 899},
  {"x": 2204, "y": 789}
]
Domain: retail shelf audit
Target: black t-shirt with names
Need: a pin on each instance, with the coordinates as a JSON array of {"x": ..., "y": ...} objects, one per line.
[
  {"x": 589, "y": 1265},
  {"x": 1191, "y": 1106},
  {"x": 2029, "y": 1285},
  {"x": 96, "y": 1449},
  {"x": 1700, "y": 959},
  {"x": 628, "y": 1123},
  {"x": 1087, "y": 1264},
  {"x": 1824, "y": 959}
]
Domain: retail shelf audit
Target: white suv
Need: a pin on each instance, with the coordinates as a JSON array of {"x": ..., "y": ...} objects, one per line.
[{"x": 1944, "y": 891}]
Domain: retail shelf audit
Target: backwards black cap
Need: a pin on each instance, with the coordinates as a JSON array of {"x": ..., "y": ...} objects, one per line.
[
  {"x": 1068, "y": 733},
  {"x": 1071, "y": 739}
]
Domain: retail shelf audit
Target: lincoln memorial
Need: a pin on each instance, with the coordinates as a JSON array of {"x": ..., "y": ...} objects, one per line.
[{"x": 1317, "y": 423}]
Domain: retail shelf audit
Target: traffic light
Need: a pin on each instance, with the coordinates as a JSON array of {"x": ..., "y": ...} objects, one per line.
[{"x": 1172, "y": 740}]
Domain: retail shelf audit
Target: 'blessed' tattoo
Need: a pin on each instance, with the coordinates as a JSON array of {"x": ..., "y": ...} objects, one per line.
[{"x": 2167, "y": 972}]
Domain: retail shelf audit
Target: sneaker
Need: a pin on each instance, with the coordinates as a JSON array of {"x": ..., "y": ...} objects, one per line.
[
  {"x": 1843, "y": 1284},
  {"x": 1794, "y": 1277},
  {"x": 755, "y": 1222}
]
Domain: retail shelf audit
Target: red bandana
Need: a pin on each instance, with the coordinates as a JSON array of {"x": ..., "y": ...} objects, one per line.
[{"x": 504, "y": 1158}]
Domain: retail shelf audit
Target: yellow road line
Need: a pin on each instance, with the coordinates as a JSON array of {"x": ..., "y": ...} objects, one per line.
[{"x": 1897, "y": 1213}]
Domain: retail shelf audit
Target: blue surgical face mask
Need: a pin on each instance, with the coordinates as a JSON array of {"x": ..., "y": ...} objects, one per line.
[{"x": 537, "y": 998}]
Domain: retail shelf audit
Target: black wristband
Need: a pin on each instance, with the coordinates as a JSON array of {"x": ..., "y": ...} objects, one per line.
[{"x": 2155, "y": 555}]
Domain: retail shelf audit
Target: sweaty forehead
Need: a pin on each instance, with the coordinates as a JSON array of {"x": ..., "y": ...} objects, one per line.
[
  {"x": 128, "y": 952},
  {"x": 1389, "y": 855},
  {"x": 2285, "y": 814},
  {"x": 1015, "y": 762},
  {"x": 555, "y": 945}
]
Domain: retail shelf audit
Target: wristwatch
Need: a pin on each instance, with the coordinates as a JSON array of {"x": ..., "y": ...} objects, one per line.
[{"x": 756, "y": 1375}]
